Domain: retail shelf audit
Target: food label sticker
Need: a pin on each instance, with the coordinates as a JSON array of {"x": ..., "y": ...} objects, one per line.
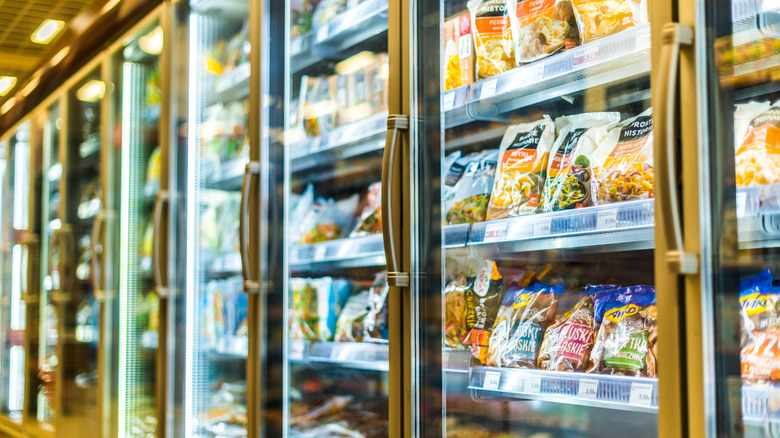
[
  {"x": 641, "y": 394},
  {"x": 533, "y": 384},
  {"x": 542, "y": 228},
  {"x": 588, "y": 55},
  {"x": 741, "y": 204},
  {"x": 448, "y": 101},
  {"x": 488, "y": 89},
  {"x": 588, "y": 388},
  {"x": 320, "y": 252},
  {"x": 322, "y": 33},
  {"x": 607, "y": 219},
  {"x": 495, "y": 231},
  {"x": 296, "y": 350},
  {"x": 492, "y": 378}
]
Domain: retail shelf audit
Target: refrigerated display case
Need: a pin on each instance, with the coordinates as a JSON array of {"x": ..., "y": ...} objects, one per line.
[{"x": 14, "y": 222}]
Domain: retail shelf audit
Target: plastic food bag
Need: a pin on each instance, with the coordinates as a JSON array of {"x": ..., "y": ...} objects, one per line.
[
  {"x": 317, "y": 304},
  {"x": 471, "y": 193},
  {"x": 599, "y": 18},
  {"x": 533, "y": 311},
  {"x": 623, "y": 163},
  {"x": 483, "y": 298},
  {"x": 375, "y": 324},
  {"x": 455, "y": 312},
  {"x": 567, "y": 343},
  {"x": 541, "y": 28},
  {"x": 569, "y": 173},
  {"x": 758, "y": 154},
  {"x": 492, "y": 37},
  {"x": 502, "y": 324},
  {"x": 759, "y": 304},
  {"x": 349, "y": 327},
  {"x": 523, "y": 157},
  {"x": 370, "y": 219},
  {"x": 626, "y": 341},
  {"x": 328, "y": 220}
]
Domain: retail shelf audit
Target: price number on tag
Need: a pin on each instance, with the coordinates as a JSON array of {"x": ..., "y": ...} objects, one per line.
[
  {"x": 488, "y": 89},
  {"x": 495, "y": 232},
  {"x": 533, "y": 384},
  {"x": 607, "y": 219},
  {"x": 588, "y": 389},
  {"x": 641, "y": 394},
  {"x": 492, "y": 379},
  {"x": 543, "y": 228}
]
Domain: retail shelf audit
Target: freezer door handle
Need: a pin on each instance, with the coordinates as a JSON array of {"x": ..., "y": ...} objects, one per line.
[
  {"x": 96, "y": 249},
  {"x": 395, "y": 124},
  {"x": 251, "y": 283},
  {"x": 62, "y": 241},
  {"x": 32, "y": 245},
  {"x": 674, "y": 36},
  {"x": 160, "y": 286}
]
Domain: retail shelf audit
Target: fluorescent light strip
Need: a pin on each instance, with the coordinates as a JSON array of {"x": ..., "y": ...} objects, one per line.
[
  {"x": 16, "y": 384},
  {"x": 7, "y": 83},
  {"x": 17, "y": 305},
  {"x": 21, "y": 181},
  {"x": 47, "y": 31}
]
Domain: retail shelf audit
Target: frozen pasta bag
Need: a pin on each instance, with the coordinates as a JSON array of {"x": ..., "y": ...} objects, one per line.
[
  {"x": 492, "y": 37},
  {"x": 541, "y": 28},
  {"x": 483, "y": 299},
  {"x": 330, "y": 220},
  {"x": 522, "y": 167},
  {"x": 758, "y": 153},
  {"x": 599, "y": 18},
  {"x": 502, "y": 326},
  {"x": 455, "y": 328},
  {"x": 759, "y": 304},
  {"x": 470, "y": 195},
  {"x": 375, "y": 324},
  {"x": 533, "y": 311},
  {"x": 349, "y": 327},
  {"x": 623, "y": 162},
  {"x": 569, "y": 174}
]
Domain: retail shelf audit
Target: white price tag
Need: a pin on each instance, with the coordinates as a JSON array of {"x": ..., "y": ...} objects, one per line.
[
  {"x": 643, "y": 39},
  {"x": 488, "y": 89},
  {"x": 741, "y": 204},
  {"x": 641, "y": 394},
  {"x": 495, "y": 231},
  {"x": 322, "y": 33},
  {"x": 588, "y": 388},
  {"x": 337, "y": 353},
  {"x": 532, "y": 74},
  {"x": 492, "y": 379},
  {"x": 589, "y": 54},
  {"x": 543, "y": 228},
  {"x": 607, "y": 219},
  {"x": 448, "y": 101},
  {"x": 533, "y": 384},
  {"x": 320, "y": 252},
  {"x": 296, "y": 350}
]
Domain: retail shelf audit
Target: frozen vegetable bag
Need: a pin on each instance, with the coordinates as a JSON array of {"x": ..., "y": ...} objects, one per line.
[{"x": 522, "y": 166}]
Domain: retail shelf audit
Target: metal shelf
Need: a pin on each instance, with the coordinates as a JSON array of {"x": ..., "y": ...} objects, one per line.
[
  {"x": 347, "y": 141},
  {"x": 757, "y": 402},
  {"x": 234, "y": 84},
  {"x": 758, "y": 213},
  {"x": 340, "y": 253},
  {"x": 228, "y": 175},
  {"x": 637, "y": 394},
  {"x": 617, "y": 57},
  {"x": 456, "y": 361},
  {"x": 346, "y": 30},
  {"x": 360, "y": 355},
  {"x": 224, "y": 265},
  {"x": 230, "y": 348}
]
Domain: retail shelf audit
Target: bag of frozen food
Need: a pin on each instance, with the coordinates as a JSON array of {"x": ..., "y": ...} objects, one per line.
[
  {"x": 759, "y": 304},
  {"x": 523, "y": 157},
  {"x": 471, "y": 193},
  {"x": 623, "y": 162},
  {"x": 568, "y": 342},
  {"x": 458, "y": 52},
  {"x": 375, "y": 324},
  {"x": 455, "y": 328},
  {"x": 502, "y": 324},
  {"x": 370, "y": 219},
  {"x": 599, "y": 18},
  {"x": 758, "y": 154},
  {"x": 349, "y": 327},
  {"x": 328, "y": 220},
  {"x": 327, "y": 10},
  {"x": 483, "y": 298},
  {"x": 541, "y": 28},
  {"x": 626, "y": 340},
  {"x": 452, "y": 168},
  {"x": 533, "y": 311},
  {"x": 317, "y": 304},
  {"x": 568, "y": 181},
  {"x": 492, "y": 37}
]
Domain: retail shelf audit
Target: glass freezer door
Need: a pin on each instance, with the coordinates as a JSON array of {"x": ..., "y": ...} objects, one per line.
[{"x": 738, "y": 47}]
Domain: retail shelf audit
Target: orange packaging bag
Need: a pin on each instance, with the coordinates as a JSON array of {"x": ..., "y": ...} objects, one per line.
[
  {"x": 758, "y": 155},
  {"x": 458, "y": 52},
  {"x": 599, "y": 18},
  {"x": 541, "y": 28},
  {"x": 492, "y": 31}
]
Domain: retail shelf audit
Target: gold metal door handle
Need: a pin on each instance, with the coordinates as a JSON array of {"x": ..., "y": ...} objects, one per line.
[
  {"x": 674, "y": 35},
  {"x": 96, "y": 248},
  {"x": 252, "y": 170},
  {"x": 395, "y": 124},
  {"x": 160, "y": 286}
]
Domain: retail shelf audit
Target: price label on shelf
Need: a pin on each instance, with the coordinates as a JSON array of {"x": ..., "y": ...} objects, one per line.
[
  {"x": 320, "y": 252},
  {"x": 296, "y": 350},
  {"x": 543, "y": 228},
  {"x": 643, "y": 39},
  {"x": 322, "y": 33},
  {"x": 588, "y": 388},
  {"x": 492, "y": 379},
  {"x": 533, "y": 384},
  {"x": 589, "y": 54},
  {"x": 607, "y": 219},
  {"x": 488, "y": 89},
  {"x": 741, "y": 204},
  {"x": 641, "y": 394},
  {"x": 448, "y": 101},
  {"x": 495, "y": 231}
]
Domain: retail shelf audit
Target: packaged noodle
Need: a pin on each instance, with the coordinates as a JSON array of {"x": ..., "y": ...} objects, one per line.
[
  {"x": 541, "y": 28},
  {"x": 492, "y": 37},
  {"x": 502, "y": 324},
  {"x": 483, "y": 299},
  {"x": 470, "y": 195},
  {"x": 758, "y": 154},
  {"x": 599, "y": 18},
  {"x": 533, "y": 311},
  {"x": 349, "y": 326},
  {"x": 623, "y": 163},
  {"x": 567, "y": 343},
  {"x": 759, "y": 304},
  {"x": 523, "y": 157},
  {"x": 568, "y": 181},
  {"x": 627, "y": 335},
  {"x": 455, "y": 312}
]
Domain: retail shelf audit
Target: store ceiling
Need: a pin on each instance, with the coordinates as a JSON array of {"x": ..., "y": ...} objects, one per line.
[{"x": 18, "y": 19}]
